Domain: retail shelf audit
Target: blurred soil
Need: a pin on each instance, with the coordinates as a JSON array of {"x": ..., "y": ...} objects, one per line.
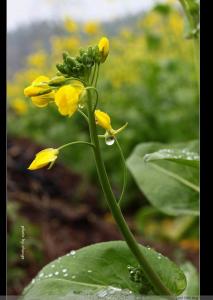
[{"x": 67, "y": 212}]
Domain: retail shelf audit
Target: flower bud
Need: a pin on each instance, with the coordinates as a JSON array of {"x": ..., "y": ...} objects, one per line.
[
  {"x": 44, "y": 158},
  {"x": 103, "y": 46}
]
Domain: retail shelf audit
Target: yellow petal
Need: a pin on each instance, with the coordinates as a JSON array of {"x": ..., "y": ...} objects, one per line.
[
  {"x": 43, "y": 100},
  {"x": 41, "y": 79},
  {"x": 103, "y": 119},
  {"x": 67, "y": 99},
  {"x": 34, "y": 90},
  {"x": 43, "y": 158}
]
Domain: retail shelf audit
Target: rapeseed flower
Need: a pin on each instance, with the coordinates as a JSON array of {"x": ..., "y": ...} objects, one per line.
[
  {"x": 103, "y": 119},
  {"x": 40, "y": 92},
  {"x": 44, "y": 158},
  {"x": 67, "y": 98}
]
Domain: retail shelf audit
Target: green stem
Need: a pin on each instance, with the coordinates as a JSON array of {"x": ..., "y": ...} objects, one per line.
[
  {"x": 75, "y": 143},
  {"x": 96, "y": 92},
  {"x": 125, "y": 171},
  {"x": 83, "y": 114},
  {"x": 96, "y": 79},
  {"x": 152, "y": 276},
  {"x": 196, "y": 42},
  {"x": 93, "y": 75}
]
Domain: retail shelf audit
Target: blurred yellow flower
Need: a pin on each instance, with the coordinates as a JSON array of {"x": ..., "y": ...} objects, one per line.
[
  {"x": 176, "y": 24},
  {"x": 43, "y": 158},
  {"x": 37, "y": 59},
  {"x": 92, "y": 27},
  {"x": 60, "y": 44},
  {"x": 103, "y": 46},
  {"x": 125, "y": 33},
  {"x": 70, "y": 25},
  {"x": 67, "y": 98},
  {"x": 103, "y": 119},
  {"x": 19, "y": 106}
]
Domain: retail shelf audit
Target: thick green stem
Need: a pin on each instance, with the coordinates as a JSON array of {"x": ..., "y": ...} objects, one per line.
[{"x": 152, "y": 276}]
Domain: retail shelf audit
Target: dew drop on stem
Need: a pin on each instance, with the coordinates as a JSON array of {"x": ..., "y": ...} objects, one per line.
[{"x": 109, "y": 140}]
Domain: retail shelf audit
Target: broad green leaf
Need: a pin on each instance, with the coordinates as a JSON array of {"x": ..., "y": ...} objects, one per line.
[
  {"x": 192, "y": 289},
  {"x": 171, "y": 187},
  {"x": 179, "y": 156},
  {"x": 100, "y": 270}
]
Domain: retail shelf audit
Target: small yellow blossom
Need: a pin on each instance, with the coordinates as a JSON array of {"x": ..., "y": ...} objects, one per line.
[
  {"x": 33, "y": 91},
  {"x": 67, "y": 98},
  {"x": 20, "y": 106},
  {"x": 91, "y": 27},
  {"x": 103, "y": 46},
  {"x": 103, "y": 119},
  {"x": 44, "y": 158}
]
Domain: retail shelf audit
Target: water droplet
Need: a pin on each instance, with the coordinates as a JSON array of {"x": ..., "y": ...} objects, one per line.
[
  {"x": 50, "y": 275},
  {"x": 72, "y": 252},
  {"x": 65, "y": 275},
  {"x": 73, "y": 277},
  {"x": 81, "y": 105},
  {"x": 159, "y": 257},
  {"x": 41, "y": 274},
  {"x": 102, "y": 294},
  {"x": 89, "y": 271},
  {"x": 64, "y": 270},
  {"x": 112, "y": 290},
  {"x": 33, "y": 281},
  {"x": 52, "y": 266},
  {"x": 109, "y": 140},
  {"x": 56, "y": 273},
  {"x": 46, "y": 276}
]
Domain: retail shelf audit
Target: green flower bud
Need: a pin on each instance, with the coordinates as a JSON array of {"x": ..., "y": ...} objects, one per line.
[{"x": 61, "y": 68}]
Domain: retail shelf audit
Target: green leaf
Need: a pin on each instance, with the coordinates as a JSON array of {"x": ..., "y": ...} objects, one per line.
[
  {"x": 179, "y": 156},
  {"x": 192, "y": 289},
  {"x": 171, "y": 185},
  {"x": 100, "y": 270}
]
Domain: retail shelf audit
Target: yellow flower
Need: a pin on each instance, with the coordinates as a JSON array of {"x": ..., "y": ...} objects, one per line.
[
  {"x": 37, "y": 59},
  {"x": 43, "y": 158},
  {"x": 103, "y": 46},
  {"x": 91, "y": 27},
  {"x": 67, "y": 98},
  {"x": 34, "y": 89},
  {"x": 20, "y": 106},
  {"x": 103, "y": 119},
  {"x": 70, "y": 25}
]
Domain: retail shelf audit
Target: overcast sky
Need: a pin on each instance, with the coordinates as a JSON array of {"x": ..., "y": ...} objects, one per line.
[{"x": 21, "y": 12}]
